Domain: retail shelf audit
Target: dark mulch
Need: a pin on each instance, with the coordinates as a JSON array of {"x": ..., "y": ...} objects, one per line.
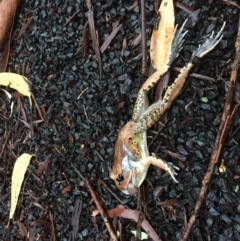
[{"x": 83, "y": 130}]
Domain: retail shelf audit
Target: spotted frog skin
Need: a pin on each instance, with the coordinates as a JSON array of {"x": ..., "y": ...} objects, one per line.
[{"x": 131, "y": 157}]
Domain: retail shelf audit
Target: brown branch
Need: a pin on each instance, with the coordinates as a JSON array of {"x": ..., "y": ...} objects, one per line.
[
  {"x": 219, "y": 142},
  {"x": 229, "y": 2},
  {"x": 75, "y": 218},
  {"x": 52, "y": 226},
  {"x": 143, "y": 30},
  {"x": 94, "y": 35},
  {"x": 68, "y": 21},
  {"x": 112, "y": 193},
  {"x": 110, "y": 38},
  {"x": 98, "y": 204}
]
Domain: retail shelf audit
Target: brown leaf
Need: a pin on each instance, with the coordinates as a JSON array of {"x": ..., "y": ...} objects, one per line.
[
  {"x": 7, "y": 14},
  {"x": 70, "y": 137},
  {"x": 66, "y": 189},
  {"x": 162, "y": 36},
  {"x": 161, "y": 86},
  {"x": 22, "y": 229},
  {"x": 120, "y": 105},
  {"x": 158, "y": 191},
  {"x": 170, "y": 203},
  {"x": 43, "y": 165},
  {"x": 43, "y": 112},
  {"x": 121, "y": 211}
]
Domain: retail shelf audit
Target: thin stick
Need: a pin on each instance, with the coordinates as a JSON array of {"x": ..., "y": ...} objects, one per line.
[
  {"x": 219, "y": 142},
  {"x": 65, "y": 24},
  {"x": 94, "y": 35},
  {"x": 144, "y": 47},
  {"x": 96, "y": 201},
  {"x": 111, "y": 192},
  {"x": 233, "y": 3}
]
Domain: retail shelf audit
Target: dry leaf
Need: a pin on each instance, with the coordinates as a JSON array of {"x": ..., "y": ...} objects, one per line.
[
  {"x": 95, "y": 213},
  {"x": 163, "y": 34},
  {"x": 123, "y": 212},
  {"x": 17, "y": 82},
  {"x": 43, "y": 165},
  {"x": 19, "y": 170},
  {"x": 7, "y": 14},
  {"x": 66, "y": 189}
]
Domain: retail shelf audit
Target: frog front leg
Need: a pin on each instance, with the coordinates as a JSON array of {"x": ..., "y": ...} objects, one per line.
[{"x": 141, "y": 168}]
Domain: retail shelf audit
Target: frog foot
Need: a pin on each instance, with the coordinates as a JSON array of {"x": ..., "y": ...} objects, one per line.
[
  {"x": 209, "y": 44},
  {"x": 167, "y": 166},
  {"x": 177, "y": 43}
]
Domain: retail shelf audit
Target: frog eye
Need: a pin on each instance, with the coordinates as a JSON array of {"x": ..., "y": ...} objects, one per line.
[{"x": 120, "y": 177}]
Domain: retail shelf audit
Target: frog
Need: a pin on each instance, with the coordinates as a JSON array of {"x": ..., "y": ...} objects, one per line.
[{"x": 131, "y": 154}]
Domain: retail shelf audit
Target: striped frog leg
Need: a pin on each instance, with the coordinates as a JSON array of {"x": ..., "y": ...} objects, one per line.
[
  {"x": 142, "y": 100},
  {"x": 155, "y": 111}
]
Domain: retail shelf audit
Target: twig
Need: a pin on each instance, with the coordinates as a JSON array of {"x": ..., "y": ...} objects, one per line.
[
  {"x": 52, "y": 226},
  {"x": 219, "y": 142},
  {"x": 85, "y": 41},
  {"x": 199, "y": 76},
  {"x": 94, "y": 35},
  {"x": 98, "y": 204},
  {"x": 65, "y": 24},
  {"x": 110, "y": 38},
  {"x": 84, "y": 110},
  {"x": 75, "y": 218},
  {"x": 37, "y": 106},
  {"x": 144, "y": 47},
  {"x": 111, "y": 192},
  {"x": 82, "y": 93},
  {"x": 5, "y": 142},
  {"x": 229, "y": 2}
]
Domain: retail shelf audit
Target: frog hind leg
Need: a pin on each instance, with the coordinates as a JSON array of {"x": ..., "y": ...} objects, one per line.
[
  {"x": 176, "y": 47},
  {"x": 142, "y": 101},
  {"x": 155, "y": 111}
]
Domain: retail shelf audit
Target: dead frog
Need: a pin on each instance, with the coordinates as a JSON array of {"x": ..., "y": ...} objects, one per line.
[{"x": 131, "y": 157}]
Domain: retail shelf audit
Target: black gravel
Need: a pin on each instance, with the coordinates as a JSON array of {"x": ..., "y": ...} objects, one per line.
[{"x": 81, "y": 130}]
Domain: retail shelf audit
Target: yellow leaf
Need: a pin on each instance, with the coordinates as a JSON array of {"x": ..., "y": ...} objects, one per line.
[
  {"x": 143, "y": 235},
  {"x": 19, "y": 170},
  {"x": 17, "y": 82},
  {"x": 162, "y": 35}
]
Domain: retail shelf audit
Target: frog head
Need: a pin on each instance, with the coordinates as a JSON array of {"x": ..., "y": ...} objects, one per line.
[{"x": 128, "y": 172}]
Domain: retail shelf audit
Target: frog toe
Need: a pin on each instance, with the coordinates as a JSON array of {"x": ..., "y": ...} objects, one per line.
[
  {"x": 167, "y": 166},
  {"x": 209, "y": 44},
  {"x": 177, "y": 43}
]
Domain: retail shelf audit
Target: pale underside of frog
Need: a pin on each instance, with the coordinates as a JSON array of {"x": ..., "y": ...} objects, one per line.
[{"x": 131, "y": 157}]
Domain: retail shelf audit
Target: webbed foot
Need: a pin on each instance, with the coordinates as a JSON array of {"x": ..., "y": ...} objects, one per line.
[
  {"x": 209, "y": 44},
  {"x": 177, "y": 43}
]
